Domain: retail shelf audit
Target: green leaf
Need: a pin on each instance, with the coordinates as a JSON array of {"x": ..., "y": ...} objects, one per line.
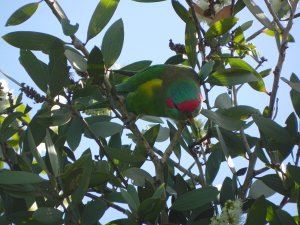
[
  {"x": 106, "y": 129},
  {"x": 93, "y": 211},
  {"x": 47, "y": 215},
  {"x": 125, "y": 155},
  {"x": 19, "y": 177},
  {"x": 270, "y": 33},
  {"x": 112, "y": 43},
  {"x": 265, "y": 73},
  {"x": 223, "y": 121},
  {"x": 36, "y": 69},
  {"x": 241, "y": 112},
  {"x": 223, "y": 101},
  {"x": 31, "y": 40},
  {"x": 272, "y": 129},
  {"x": 213, "y": 164},
  {"x": 68, "y": 28},
  {"x": 150, "y": 209},
  {"x": 8, "y": 121},
  {"x": 195, "y": 198},
  {"x": 284, "y": 218},
  {"x": 101, "y": 16},
  {"x": 148, "y": 1},
  {"x": 191, "y": 43},
  {"x": 139, "y": 176},
  {"x": 56, "y": 117},
  {"x": 257, "y": 213},
  {"x": 259, "y": 188},
  {"x": 259, "y": 14},
  {"x": 151, "y": 119},
  {"x": 276, "y": 139},
  {"x": 220, "y": 27},
  {"x": 58, "y": 69},
  {"x": 175, "y": 59},
  {"x": 131, "y": 197},
  {"x": 245, "y": 26},
  {"x": 237, "y": 63},
  {"x": 53, "y": 156},
  {"x": 295, "y": 95},
  {"x": 227, "y": 191},
  {"x": 74, "y": 133},
  {"x": 85, "y": 163},
  {"x": 181, "y": 11},
  {"x": 30, "y": 142},
  {"x": 294, "y": 85},
  {"x": 238, "y": 6},
  {"x": 231, "y": 76},
  {"x": 22, "y": 14},
  {"x": 77, "y": 61},
  {"x": 206, "y": 69},
  {"x": 137, "y": 66},
  {"x": 95, "y": 65},
  {"x": 274, "y": 182},
  {"x": 294, "y": 172}
]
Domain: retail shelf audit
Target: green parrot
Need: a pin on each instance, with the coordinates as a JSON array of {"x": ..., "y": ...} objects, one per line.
[{"x": 164, "y": 91}]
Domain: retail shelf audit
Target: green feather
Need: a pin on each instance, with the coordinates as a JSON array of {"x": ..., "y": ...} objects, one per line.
[{"x": 147, "y": 92}]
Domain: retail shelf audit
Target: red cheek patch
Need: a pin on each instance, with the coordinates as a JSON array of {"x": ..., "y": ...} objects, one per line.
[{"x": 188, "y": 106}]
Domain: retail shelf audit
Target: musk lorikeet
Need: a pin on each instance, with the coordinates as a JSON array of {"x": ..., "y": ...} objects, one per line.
[{"x": 163, "y": 91}]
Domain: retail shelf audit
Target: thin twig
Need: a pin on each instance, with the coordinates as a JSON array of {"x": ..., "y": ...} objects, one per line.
[
  {"x": 275, "y": 17},
  {"x": 60, "y": 15},
  {"x": 194, "y": 177},
  {"x": 100, "y": 144},
  {"x": 172, "y": 144},
  {"x": 110, "y": 204},
  {"x": 200, "y": 169}
]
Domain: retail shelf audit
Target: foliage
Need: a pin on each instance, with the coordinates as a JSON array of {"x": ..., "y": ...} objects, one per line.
[{"x": 44, "y": 180}]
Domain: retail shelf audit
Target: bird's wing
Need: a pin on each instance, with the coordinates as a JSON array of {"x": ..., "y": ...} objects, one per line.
[{"x": 140, "y": 78}]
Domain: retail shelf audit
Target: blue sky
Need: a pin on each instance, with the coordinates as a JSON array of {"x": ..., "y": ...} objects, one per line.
[{"x": 148, "y": 28}]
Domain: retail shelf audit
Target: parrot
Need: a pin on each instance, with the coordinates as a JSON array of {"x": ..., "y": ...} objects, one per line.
[{"x": 169, "y": 91}]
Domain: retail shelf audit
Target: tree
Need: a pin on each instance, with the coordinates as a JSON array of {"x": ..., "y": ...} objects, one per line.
[{"x": 59, "y": 186}]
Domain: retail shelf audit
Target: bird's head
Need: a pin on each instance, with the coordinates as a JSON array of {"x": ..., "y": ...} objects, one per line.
[{"x": 183, "y": 100}]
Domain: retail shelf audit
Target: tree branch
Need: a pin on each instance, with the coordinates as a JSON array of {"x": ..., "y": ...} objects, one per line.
[
  {"x": 248, "y": 179},
  {"x": 281, "y": 58}
]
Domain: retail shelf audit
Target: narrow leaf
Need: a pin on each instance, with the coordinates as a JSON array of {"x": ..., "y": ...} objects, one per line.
[
  {"x": 231, "y": 76},
  {"x": 77, "y": 61},
  {"x": 220, "y": 27},
  {"x": 223, "y": 121},
  {"x": 95, "y": 65},
  {"x": 259, "y": 14},
  {"x": 112, "y": 43},
  {"x": 54, "y": 159},
  {"x": 19, "y": 177},
  {"x": 191, "y": 44},
  {"x": 58, "y": 69},
  {"x": 22, "y": 14},
  {"x": 48, "y": 215},
  {"x": 195, "y": 198},
  {"x": 106, "y": 129},
  {"x": 36, "y": 69},
  {"x": 31, "y": 40},
  {"x": 101, "y": 16},
  {"x": 181, "y": 11}
]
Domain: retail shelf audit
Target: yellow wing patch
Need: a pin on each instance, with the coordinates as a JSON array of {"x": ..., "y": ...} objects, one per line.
[{"x": 148, "y": 87}]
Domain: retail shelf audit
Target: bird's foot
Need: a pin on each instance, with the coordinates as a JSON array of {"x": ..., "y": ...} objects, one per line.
[{"x": 131, "y": 118}]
